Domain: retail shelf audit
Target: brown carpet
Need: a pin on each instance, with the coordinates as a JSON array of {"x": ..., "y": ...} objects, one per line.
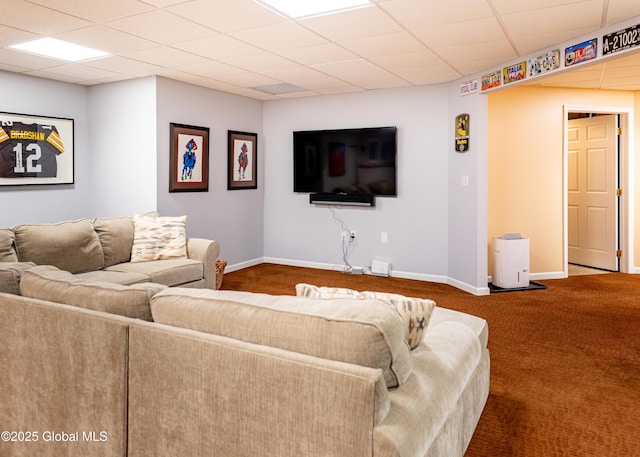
[{"x": 565, "y": 361}]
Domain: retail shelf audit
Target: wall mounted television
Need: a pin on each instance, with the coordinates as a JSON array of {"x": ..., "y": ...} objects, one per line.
[{"x": 346, "y": 161}]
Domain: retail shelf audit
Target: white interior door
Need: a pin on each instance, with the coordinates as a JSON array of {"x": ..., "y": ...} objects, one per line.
[{"x": 592, "y": 197}]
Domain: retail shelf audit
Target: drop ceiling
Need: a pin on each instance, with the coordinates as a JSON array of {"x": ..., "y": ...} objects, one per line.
[{"x": 238, "y": 46}]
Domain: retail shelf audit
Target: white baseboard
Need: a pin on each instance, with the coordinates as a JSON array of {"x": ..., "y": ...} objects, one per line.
[
  {"x": 243, "y": 265},
  {"x": 335, "y": 267}
]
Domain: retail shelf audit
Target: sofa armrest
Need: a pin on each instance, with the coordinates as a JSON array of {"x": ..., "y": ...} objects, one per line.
[{"x": 206, "y": 251}]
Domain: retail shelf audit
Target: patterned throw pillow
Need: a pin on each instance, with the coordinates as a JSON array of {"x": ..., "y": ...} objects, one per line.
[
  {"x": 416, "y": 312},
  {"x": 157, "y": 238}
]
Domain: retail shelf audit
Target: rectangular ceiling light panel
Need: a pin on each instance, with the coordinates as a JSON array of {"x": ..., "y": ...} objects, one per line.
[
  {"x": 305, "y": 8},
  {"x": 58, "y": 49}
]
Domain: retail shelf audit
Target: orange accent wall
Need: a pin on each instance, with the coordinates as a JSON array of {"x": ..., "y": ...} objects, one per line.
[{"x": 525, "y": 166}]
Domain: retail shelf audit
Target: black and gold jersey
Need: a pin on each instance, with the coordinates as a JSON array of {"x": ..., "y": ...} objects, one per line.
[{"x": 29, "y": 150}]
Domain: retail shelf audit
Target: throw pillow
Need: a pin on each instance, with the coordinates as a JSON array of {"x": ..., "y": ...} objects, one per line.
[
  {"x": 157, "y": 238},
  {"x": 415, "y": 312}
]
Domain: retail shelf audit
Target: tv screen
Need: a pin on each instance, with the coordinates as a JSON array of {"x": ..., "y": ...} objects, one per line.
[{"x": 345, "y": 161}]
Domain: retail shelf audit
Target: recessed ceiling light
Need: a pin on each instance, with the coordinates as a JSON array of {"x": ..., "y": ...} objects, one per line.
[
  {"x": 305, "y": 8},
  {"x": 58, "y": 49}
]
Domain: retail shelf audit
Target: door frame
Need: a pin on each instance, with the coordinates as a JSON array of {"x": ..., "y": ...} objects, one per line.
[{"x": 625, "y": 169}]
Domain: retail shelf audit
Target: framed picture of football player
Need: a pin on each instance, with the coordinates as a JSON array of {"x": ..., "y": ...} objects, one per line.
[
  {"x": 243, "y": 160},
  {"x": 189, "y": 158},
  {"x": 35, "y": 150}
]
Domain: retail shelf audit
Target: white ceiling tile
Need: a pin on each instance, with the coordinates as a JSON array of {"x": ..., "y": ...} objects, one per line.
[
  {"x": 51, "y": 75},
  {"x": 420, "y": 13},
  {"x": 107, "y": 39},
  {"x": 631, "y": 59},
  {"x": 26, "y": 60},
  {"x": 212, "y": 69},
  {"x": 620, "y": 10},
  {"x": 125, "y": 66},
  {"x": 218, "y": 47},
  {"x": 247, "y": 79},
  {"x": 513, "y": 6},
  {"x": 552, "y": 20},
  {"x": 96, "y": 10},
  {"x": 306, "y": 77},
  {"x": 428, "y": 74},
  {"x": 12, "y": 68},
  {"x": 339, "y": 27},
  {"x": 178, "y": 75},
  {"x": 361, "y": 73},
  {"x": 477, "y": 57},
  {"x": 261, "y": 63},
  {"x": 37, "y": 19},
  {"x": 381, "y": 45},
  {"x": 313, "y": 55},
  {"x": 161, "y": 27},
  {"x": 222, "y": 17},
  {"x": 533, "y": 43},
  {"x": 9, "y": 36},
  {"x": 407, "y": 60},
  {"x": 80, "y": 72},
  {"x": 483, "y": 30},
  {"x": 276, "y": 37},
  {"x": 164, "y": 3},
  {"x": 162, "y": 55}
]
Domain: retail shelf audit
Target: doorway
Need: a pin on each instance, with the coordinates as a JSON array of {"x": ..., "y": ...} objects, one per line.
[{"x": 596, "y": 154}]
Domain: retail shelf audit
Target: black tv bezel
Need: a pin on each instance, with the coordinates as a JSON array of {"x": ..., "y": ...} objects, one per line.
[{"x": 297, "y": 188}]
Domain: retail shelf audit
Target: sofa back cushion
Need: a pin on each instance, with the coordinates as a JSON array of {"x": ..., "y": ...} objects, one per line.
[
  {"x": 73, "y": 246},
  {"x": 7, "y": 246},
  {"x": 46, "y": 282},
  {"x": 116, "y": 238},
  {"x": 363, "y": 332}
]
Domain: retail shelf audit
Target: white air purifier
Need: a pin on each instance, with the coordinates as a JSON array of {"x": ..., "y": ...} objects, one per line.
[{"x": 510, "y": 262}]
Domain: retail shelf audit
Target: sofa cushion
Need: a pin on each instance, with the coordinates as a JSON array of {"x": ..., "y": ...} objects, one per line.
[
  {"x": 46, "y": 282},
  {"x": 171, "y": 272},
  {"x": 157, "y": 238},
  {"x": 72, "y": 246},
  {"x": 115, "y": 277},
  {"x": 10, "y": 274},
  {"x": 116, "y": 238},
  {"x": 367, "y": 332},
  {"x": 7, "y": 246},
  {"x": 416, "y": 312}
]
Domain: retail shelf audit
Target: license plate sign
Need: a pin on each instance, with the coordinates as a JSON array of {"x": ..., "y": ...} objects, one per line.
[{"x": 621, "y": 40}]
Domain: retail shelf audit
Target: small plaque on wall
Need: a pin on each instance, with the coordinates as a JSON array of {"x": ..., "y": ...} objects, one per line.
[{"x": 462, "y": 133}]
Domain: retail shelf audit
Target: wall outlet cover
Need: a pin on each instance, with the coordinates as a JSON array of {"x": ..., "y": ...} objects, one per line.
[{"x": 380, "y": 267}]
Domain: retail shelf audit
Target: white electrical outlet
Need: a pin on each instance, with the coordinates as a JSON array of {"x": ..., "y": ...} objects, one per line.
[
  {"x": 352, "y": 234},
  {"x": 384, "y": 237}
]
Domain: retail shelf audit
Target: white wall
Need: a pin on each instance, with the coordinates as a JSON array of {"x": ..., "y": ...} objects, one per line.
[
  {"x": 416, "y": 221},
  {"x": 467, "y": 248},
  {"x": 122, "y": 148},
  {"x": 37, "y": 203},
  {"x": 232, "y": 217}
]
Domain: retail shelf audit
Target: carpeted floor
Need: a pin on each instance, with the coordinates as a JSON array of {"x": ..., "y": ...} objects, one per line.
[{"x": 565, "y": 361}]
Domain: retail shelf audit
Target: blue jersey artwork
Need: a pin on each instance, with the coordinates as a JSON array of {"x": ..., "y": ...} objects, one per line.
[{"x": 189, "y": 160}]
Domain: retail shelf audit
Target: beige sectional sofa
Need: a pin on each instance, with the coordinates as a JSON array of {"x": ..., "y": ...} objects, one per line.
[
  {"x": 101, "y": 249},
  {"x": 228, "y": 373}
]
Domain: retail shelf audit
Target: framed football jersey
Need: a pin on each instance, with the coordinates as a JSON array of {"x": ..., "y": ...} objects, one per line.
[{"x": 35, "y": 150}]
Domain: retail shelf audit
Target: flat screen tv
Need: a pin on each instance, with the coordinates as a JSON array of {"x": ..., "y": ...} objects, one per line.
[{"x": 345, "y": 161}]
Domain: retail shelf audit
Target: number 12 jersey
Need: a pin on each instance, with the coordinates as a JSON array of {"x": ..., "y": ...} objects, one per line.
[{"x": 29, "y": 150}]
